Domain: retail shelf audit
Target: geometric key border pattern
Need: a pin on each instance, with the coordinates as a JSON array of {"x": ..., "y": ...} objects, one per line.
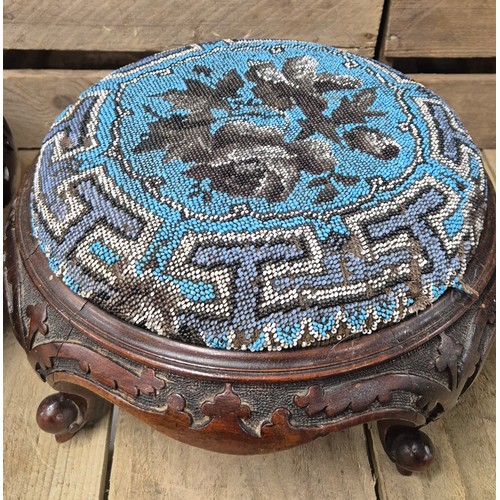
[{"x": 259, "y": 195}]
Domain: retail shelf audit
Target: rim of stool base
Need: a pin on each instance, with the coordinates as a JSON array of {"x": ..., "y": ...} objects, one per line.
[{"x": 288, "y": 365}]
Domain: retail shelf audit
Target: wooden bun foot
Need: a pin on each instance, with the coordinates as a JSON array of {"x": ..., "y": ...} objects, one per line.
[
  {"x": 61, "y": 415},
  {"x": 409, "y": 448},
  {"x": 64, "y": 414}
]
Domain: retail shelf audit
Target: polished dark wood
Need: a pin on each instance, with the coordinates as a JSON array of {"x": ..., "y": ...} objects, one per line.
[
  {"x": 403, "y": 376},
  {"x": 65, "y": 413},
  {"x": 408, "y": 447}
]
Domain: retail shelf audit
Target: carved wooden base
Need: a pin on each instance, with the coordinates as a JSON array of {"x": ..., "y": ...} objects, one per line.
[{"x": 403, "y": 376}]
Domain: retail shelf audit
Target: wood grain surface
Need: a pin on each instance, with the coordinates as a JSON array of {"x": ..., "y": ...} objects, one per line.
[
  {"x": 27, "y": 158},
  {"x": 149, "y": 465},
  {"x": 489, "y": 157},
  {"x": 34, "y": 98},
  {"x": 445, "y": 28},
  {"x": 464, "y": 440},
  {"x": 35, "y": 466},
  {"x": 155, "y": 25}
]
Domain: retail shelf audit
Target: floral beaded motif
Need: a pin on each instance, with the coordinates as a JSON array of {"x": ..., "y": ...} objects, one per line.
[{"x": 258, "y": 194}]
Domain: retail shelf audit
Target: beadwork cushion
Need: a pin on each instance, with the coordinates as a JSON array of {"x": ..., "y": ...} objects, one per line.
[{"x": 258, "y": 194}]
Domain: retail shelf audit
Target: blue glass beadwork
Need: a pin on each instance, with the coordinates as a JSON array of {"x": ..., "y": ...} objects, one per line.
[{"x": 259, "y": 194}]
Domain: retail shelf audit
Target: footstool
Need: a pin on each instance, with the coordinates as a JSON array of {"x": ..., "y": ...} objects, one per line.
[{"x": 249, "y": 244}]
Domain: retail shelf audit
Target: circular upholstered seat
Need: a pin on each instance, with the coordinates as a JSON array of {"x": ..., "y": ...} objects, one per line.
[{"x": 259, "y": 195}]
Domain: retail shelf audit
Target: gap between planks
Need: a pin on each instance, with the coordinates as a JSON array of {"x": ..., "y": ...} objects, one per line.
[
  {"x": 464, "y": 441},
  {"x": 35, "y": 465},
  {"x": 338, "y": 462},
  {"x": 149, "y": 465}
]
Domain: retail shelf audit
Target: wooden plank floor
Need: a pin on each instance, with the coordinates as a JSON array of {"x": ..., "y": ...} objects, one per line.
[
  {"x": 35, "y": 466},
  {"x": 464, "y": 440},
  {"x": 337, "y": 463},
  {"x": 139, "y": 462}
]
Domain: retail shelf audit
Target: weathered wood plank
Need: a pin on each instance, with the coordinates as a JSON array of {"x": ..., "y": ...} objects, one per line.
[
  {"x": 148, "y": 465},
  {"x": 446, "y": 28},
  {"x": 155, "y": 25},
  {"x": 489, "y": 156},
  {"x": 35, "y": 466},
  {"x": 473, "y": 99},
  {"x": 464, "y": 439},
  {"x": 26, "y": 159},
  {"x": 34, "y": 98}
]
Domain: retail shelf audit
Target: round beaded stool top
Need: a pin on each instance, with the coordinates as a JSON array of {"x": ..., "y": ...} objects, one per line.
[{"x": 255, "y": 195}]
